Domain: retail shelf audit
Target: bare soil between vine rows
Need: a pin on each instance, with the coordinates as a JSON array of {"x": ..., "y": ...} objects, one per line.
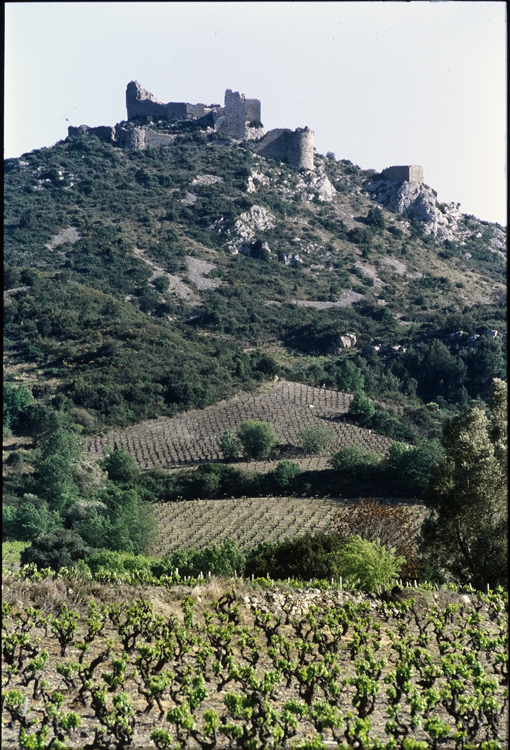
[{"x": 48, "y": 595}]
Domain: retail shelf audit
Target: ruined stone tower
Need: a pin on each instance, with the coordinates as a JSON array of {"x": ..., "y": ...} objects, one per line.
[
  {"x": 295, "y": 147},
  {"x": 409, "y": 173}
]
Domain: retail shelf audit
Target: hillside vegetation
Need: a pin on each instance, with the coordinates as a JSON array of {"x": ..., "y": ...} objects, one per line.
[{"x": 198, "y": 322}]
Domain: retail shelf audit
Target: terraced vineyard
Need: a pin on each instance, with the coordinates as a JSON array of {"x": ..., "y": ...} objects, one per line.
[
  {"x": 248, "y": 521},
  {"x": 192, "y": 438}
]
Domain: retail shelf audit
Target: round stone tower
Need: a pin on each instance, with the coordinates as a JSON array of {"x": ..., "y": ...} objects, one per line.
[{"x": 305, "y": 136}]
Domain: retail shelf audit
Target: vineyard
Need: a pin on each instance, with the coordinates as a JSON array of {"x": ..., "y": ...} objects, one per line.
[
  {"x": 250, "y": 665},
  {"x": 193, "y": 438},
  {"x": 248, "y": 521}
]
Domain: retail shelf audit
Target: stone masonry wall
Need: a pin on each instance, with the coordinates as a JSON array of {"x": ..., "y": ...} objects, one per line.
[
  {"x": 295, "y": 147},
  {"x": 409, "y": 173},
  {"x": 141, "y": 103},
  {"x": 103, "y": 132},
  {"x": 253, "y": 110},
  {"x": 235, "y": 114}
]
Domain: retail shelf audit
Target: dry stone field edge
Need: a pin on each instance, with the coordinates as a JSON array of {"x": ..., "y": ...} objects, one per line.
[{"x": 193, "y": 437}]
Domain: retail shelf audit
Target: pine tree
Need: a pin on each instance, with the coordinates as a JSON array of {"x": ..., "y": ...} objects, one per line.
[{"x": 466, "y": 531}]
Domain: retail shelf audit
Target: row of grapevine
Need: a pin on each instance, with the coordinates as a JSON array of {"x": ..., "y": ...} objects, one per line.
[
  {"x": 192, "y": 438},
  {"x": 365, "y": 674}
]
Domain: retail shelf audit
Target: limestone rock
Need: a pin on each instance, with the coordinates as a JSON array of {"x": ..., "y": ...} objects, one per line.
[
  {"x": 343, "y": 341},
  {"x": 419, "y": 202},
  {"x": 319, "y": 181},
  {"x": 257, "y": 219}
]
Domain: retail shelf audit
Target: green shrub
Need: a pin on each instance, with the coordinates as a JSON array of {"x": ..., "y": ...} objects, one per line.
[
  {"x": 119, "y": 562},
  {"x": 305, "y": 557},
  {"x": 285, "y": 475},
  {"x": 360, "y": 236},
  {"x": 369, "y": 563},
  {"x": 223, "y": 560},
  {"x": 11, "y": 552},
  {"x": 29, "y": 519},
  {"x": 161, "y": 283},
  {"x": 127, "y": 526},
  {"x": 316, "y": 438},
  {"x": 396, "y": 232},
  {"x": 375, "y": 219},
  {"x": 56, "y": 549},
  {"x": 229, "y": 445},
  {"x": 353, "y": 461},
  {"x": 362, "y": 408},
  {"x": 120, "y": 465},
  {"x": 16, "y": 400},
  {"x": 257, "y": 438},
  {"x": 407, "y": 468}
]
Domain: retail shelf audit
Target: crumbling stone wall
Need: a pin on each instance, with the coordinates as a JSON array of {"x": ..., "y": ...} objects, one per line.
[
  {"x": 103, "y": 132},
  {"x": 128, "y": 135},
  {"x": 235, "y": 114},
  {"x": 295, "y": 147},
  {"x": 232, "y": 118},
  {"x": 409, "y": 173},
  {"x": 141, "y": 103}
]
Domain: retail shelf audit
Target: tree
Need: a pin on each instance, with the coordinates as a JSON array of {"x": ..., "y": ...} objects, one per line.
[
  {"x": 128, "y": 525},
  {"x": 362, "y": 408},
  {"x": 316, "y": 438},
  {"x": 58, "y": 468},
  {"x": 29, "y": 519},
  {"x": 349, "y": 377},
  {"x": 285, "y": 474},
  {"x": 407, "y": 468},
  {"x": 465, "y": 532},
  {"x": 375, "y": 219},
  {"x": 120, "y": 465},
  {"x": 360, "y": 236},
  {"x": 258, "y": 438},
  {"x": 229, "y": 445},
  {"x": 16, "y": 400},
  {"x": 56, "y": 549},
  {"x": 39, "y": 420},
  {"x": 307, "y": 556},
  {"x": 353, "y": 461},
  {"x": 394, "y": 526}
]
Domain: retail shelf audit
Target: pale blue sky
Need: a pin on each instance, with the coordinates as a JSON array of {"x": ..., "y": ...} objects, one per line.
[{"x": 380, "y": 83}]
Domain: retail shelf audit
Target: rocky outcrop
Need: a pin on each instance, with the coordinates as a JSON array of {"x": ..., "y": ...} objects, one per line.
[
  {"x": 498, "y": 242},
  {"x": 342, "y": 341},
  {"x": 319, "y": 183},
  {"x": 417, "y": 201},
  {"x": 257, "y": 219}
]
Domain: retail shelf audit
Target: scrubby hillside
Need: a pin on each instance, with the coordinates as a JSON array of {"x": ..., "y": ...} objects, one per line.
[
  {"x": 157, "y": 298},
  {"x": 146, "y": 282}
]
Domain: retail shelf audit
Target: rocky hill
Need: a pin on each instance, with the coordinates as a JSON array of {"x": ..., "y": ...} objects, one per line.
[{"x": 141, "y": 282}]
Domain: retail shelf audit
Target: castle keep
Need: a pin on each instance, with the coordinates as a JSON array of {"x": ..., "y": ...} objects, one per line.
[{"x": 238, "y": 118}]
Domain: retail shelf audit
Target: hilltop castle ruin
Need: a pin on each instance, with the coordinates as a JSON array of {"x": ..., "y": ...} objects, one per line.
[{"x": 239, "y": 118}]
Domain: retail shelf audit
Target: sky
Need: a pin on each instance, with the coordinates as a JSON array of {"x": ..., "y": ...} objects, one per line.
[{"x": 379, "y": 83}]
